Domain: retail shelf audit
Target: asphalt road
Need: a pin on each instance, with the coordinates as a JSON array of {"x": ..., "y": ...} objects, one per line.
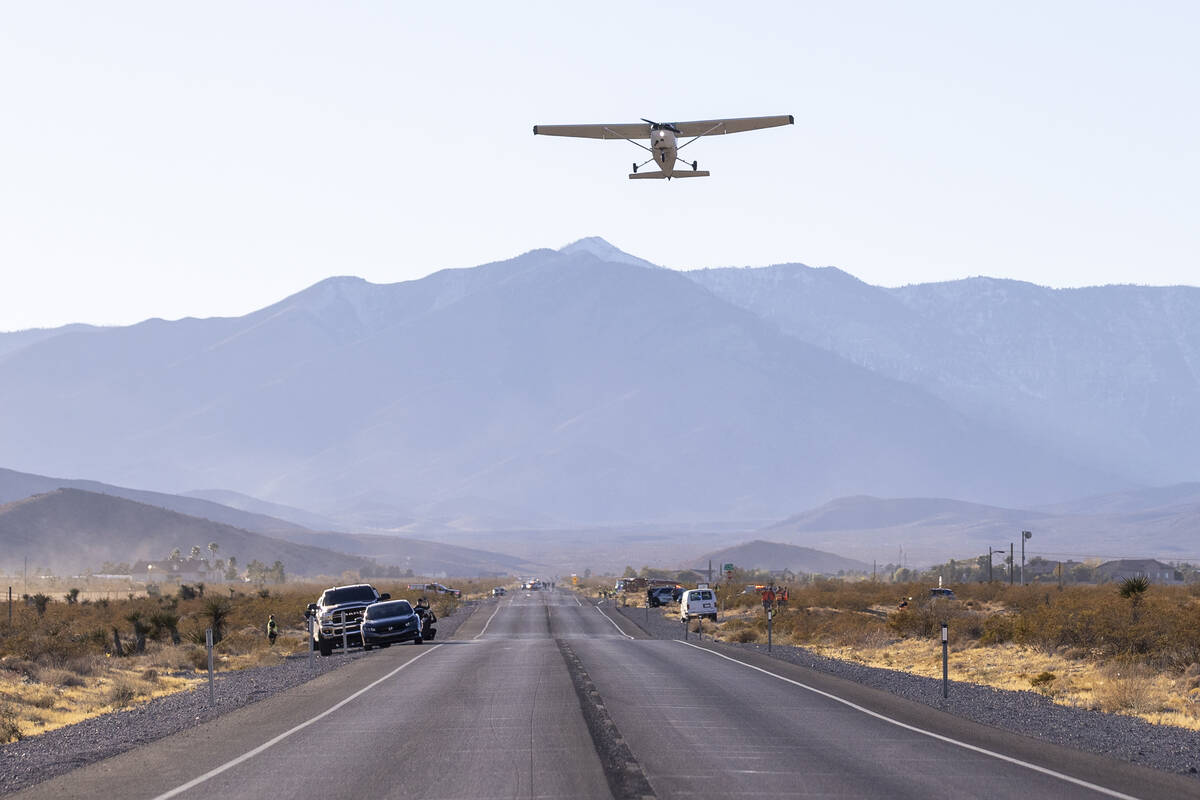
[{"x": 545, "y": 695}]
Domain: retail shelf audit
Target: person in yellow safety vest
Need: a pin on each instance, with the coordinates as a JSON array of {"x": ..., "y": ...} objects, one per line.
[{"x": 272, "y": 629}]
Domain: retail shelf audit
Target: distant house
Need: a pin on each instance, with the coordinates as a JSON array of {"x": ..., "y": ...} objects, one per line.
[
  {"x": 1149, "y": 568},
  {"x": 190, "y": 571},
  {"x": 1040, "y": 569}
]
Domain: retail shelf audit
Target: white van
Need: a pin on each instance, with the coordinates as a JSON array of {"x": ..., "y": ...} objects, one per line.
[{"x": 698, "y": 603}]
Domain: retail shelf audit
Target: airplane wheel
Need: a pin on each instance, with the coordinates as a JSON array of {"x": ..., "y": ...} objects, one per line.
[
  {"x": 694, "y": 165},
  {"x": 635, "y": 166}
]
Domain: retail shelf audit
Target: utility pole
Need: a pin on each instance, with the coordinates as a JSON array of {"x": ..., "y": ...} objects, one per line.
[
  {"x": 1010, "y": 563},
  {"x": 989, "y": 563},
  {"x": 1024, "y": 535}
]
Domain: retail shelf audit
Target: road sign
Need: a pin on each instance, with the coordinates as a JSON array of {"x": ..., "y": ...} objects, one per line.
[{"x": 728, "y": 568}]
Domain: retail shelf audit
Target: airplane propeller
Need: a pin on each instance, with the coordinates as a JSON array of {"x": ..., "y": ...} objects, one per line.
[{"x": 661, "y": 126}]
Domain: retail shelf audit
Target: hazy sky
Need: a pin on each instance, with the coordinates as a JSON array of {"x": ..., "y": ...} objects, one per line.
[{"x": 168, "y": 159}]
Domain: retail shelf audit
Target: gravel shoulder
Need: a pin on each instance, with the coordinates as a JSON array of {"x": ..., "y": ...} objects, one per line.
[
  {"x": 38, "y": 758},
  {"x": 1160, "y": 747}
]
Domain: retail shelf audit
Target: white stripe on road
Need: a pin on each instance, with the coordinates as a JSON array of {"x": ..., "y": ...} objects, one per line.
[
  {"x": 615, "y": 625},
  {"x": 212, "y": 773},
  {"x": 577, "y": 601},
  {"x": 922, "y": 731},
  {"x": 489, "y": 622}
]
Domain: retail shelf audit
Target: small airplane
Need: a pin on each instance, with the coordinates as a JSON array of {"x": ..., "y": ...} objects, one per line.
[{"x": 662, "y": 135}]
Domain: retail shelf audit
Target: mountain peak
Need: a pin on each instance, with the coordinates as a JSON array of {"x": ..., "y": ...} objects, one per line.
[{"x": 604, "y": 251}]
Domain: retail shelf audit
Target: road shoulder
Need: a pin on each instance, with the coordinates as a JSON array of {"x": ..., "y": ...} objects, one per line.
[{"x": 1038, "y": 724}]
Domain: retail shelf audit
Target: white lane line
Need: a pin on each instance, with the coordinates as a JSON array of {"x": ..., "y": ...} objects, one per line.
[
  {"x": 922, "y": 731},
  {"x": 615, "y": 625},
  {"x": 489, "y": 622},
  {"x": 212, "y": 773},
  {"x": 577, "y": 601}
]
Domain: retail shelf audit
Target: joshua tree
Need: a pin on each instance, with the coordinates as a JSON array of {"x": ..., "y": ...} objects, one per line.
[
  {"x": 166, "y": 622},
  {"x": 40, "y": 601},
  {"x": 194, "y": 555},
  {"x": 175, "y": 555},
  {"x": 213, "y": 547},
  {"x": 217, "y": 611},
  {"x": 1132, "y": 589},
  {"x": 140, "y": 629},
  {"x": 72, "y": 597}
]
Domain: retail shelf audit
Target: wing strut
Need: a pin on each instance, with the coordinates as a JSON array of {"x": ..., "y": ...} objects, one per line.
[
  {"x": 631, "y": 141},
  {"x": 689, "y": 141}
]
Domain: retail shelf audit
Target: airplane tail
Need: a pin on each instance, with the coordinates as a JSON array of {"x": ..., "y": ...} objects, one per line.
[{"x": 678, "y": 174}]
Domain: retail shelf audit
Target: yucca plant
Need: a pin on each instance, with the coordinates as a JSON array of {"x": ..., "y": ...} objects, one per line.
[{"x": 1132, "y": 588}]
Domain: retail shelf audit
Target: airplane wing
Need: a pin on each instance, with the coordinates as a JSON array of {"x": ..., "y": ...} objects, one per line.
[
  {"x": 715, "y": 127},
  {"x": 626, "y": 130}
]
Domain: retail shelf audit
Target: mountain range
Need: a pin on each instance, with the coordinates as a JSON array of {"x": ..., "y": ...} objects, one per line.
[
  {"x": 1163, "y": 522},
  {"x": 75, "y": 525},
  {"x": 585, "y": 386}
]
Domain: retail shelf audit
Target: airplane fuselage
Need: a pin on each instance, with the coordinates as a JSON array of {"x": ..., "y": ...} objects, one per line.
[{"x": 662, "y": 143}]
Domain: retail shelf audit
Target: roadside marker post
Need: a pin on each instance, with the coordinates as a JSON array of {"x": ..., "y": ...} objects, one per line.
[
  {"x": 345, "y": 638},
  {"x": 684, "y": 622},
  {"x": 208, "y": 643},
  {"x": 769, "y": 615},
  {"x": 945, "y": 660},
  {"x": 308, "y": 626}
]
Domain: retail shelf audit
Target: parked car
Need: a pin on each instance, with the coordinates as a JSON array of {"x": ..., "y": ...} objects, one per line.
[
  {"x": 389, "y": 623},
  {"x": 661, "y": 595},
  {"x": 499, "y": 591},
  {"x": 698, "y": 603},
  {"x": 435, "y": 588},
  {"x": 338, "y": 613},
  {"x": 941, "y": 591}
]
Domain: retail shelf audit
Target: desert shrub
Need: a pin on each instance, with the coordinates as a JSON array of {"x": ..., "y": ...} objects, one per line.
[
  {"x": 150, "y": 676},
  {"x": 10, "y": 728},
  {"x": 242, "y": 640},
  {"x": 122, "y": 693},
  {"x": 82, "y": 665},
  {"x": 1129, "y": 687},
  {"x": 198, "y": 658},
  {"x": 1043, "y": 679},
  {"x": 62, "y": 678},
  {"x": 176, "y": 658},
  {"x": 743, "y": 635},
  {"x": 998, "y": 629}
]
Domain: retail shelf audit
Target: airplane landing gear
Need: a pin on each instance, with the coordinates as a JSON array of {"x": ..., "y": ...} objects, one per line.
[
  {"x": 635, "y": 166},
  {"x": 695, "y": 164}
]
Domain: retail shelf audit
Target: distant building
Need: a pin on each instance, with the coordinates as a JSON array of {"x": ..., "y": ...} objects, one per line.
[
  {"x": 179, "y": 571},
  {"x": 1148, "y": 568}
]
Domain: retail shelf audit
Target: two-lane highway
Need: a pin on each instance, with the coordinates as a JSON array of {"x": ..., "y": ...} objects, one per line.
[{"x": 519, "y": 703}]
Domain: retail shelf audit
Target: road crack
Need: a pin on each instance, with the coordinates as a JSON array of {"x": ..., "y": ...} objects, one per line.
[{"x": 626, "y": 778}]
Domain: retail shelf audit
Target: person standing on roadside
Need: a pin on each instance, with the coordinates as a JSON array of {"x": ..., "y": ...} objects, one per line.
[
  {"x": 768, "y": 598},
  {"x": 272, "y": 629}
]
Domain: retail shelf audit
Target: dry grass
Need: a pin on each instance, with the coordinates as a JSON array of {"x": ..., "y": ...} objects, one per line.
[
  {"x": 1010, "y": 640},
  {"x": 61, "y": 668},
  {"x": 58, "y": 697}
]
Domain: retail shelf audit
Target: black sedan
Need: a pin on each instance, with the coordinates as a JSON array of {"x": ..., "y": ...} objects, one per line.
[{"x": 390, "y": 622}]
